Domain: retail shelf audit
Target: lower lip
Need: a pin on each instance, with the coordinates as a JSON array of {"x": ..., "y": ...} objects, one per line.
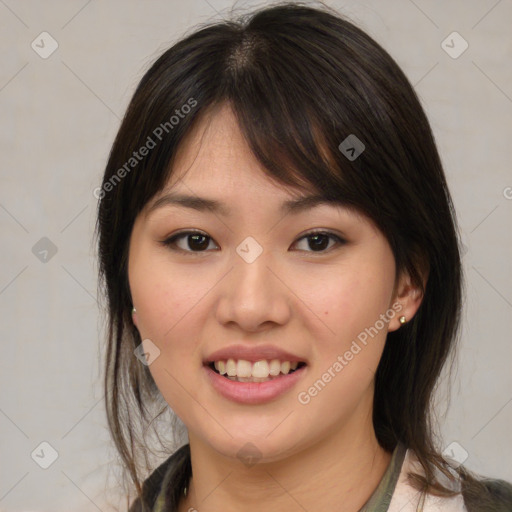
[{"x": 254, "y": 392}]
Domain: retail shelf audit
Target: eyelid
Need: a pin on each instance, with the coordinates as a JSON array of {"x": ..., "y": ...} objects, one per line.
[
  {"x": 171, "y": 240},
  {"x": 338, "y": 238}
]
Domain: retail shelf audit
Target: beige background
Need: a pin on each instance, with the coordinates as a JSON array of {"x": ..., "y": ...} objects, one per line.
[{"x": 58, "y": 119}]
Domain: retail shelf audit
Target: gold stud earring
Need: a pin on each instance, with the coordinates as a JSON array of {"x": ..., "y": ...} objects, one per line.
[{"x": 402, "y": 320}]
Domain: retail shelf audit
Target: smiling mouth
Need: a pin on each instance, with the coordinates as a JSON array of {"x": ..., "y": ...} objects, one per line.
[{"x": 262, "y": 371}]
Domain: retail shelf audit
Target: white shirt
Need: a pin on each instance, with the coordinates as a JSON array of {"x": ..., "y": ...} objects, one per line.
[{"x": 407, "y": 499}]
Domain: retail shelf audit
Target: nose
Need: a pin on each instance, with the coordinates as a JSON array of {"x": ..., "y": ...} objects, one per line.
[{"x": 253, "y": 295}]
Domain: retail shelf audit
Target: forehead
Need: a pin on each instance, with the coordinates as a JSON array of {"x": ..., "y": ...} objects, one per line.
[
  {"x": 216, "y": 150},
  {"x": 215, "y": 159},
  {"x": 214, "y": 170}
]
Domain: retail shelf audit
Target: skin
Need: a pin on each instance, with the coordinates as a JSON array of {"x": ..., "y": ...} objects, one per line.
[{"x": 310, "y": 302}]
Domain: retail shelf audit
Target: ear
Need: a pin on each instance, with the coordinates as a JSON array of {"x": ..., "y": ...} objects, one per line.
[
  {"x": 406, "y": 300},
  {"x": 134, "y": 317}
]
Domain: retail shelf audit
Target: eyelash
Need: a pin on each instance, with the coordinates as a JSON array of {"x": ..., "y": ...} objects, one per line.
[{"x": 171, "y": 241}]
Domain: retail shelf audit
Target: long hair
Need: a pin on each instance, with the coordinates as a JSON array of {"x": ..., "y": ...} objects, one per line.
[{"x": 300, "y": 81}]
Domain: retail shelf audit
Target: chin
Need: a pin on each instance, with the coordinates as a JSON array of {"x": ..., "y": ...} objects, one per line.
[{"x": 253, "y": 449}]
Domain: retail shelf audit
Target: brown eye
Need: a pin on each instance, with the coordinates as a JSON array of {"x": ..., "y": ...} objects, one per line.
[
  {"x": 194, "y": 241},
  {"x": 318, "y": 241},
  {"x": 197, "y": 242}
]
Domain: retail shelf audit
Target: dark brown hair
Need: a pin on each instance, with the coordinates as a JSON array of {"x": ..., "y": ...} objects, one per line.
[{"x": 300, "y": 80}]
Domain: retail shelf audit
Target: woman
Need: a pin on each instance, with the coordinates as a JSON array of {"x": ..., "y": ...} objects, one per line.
[{"x": 280, "y": 256}]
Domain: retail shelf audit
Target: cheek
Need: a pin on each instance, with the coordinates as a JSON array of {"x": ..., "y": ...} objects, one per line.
[
  {"x": 346, "y": 299},
  {"x": 164, "y": 294},
  {"x": 346, "y": 359},
  {"x": 168, "y": 304}
]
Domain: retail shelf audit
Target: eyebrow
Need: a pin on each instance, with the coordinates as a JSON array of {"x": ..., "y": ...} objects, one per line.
[{"x": 202, "y": 204}]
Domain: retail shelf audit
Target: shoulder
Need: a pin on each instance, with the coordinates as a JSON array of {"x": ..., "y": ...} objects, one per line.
[
  {"x": 473, "y": 495},
  {"x": 152, "y": 485},
  {"x": 406, "y": 498},
  {"x": 487, "y": 495}
]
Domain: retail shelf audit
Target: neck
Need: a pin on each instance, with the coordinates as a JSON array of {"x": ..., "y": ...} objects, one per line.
[{"x": 339, "y": 472}]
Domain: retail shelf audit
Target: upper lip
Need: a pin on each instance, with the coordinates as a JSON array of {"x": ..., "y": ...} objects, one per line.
[{"x": 252, "y": 353}]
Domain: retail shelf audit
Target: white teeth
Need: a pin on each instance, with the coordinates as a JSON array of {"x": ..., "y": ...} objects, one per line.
[
  {"x": 275, "y": 367},
  {"x": 221, "y": 367},
  {"x": 245, "y": 371},
  {"x": 260, "y": 369},
  {"x": 231, "y": 367},
  {"x": 243, "y": 368}
]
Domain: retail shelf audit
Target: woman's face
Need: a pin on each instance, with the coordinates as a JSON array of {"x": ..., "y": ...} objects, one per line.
[{"x": 253, "y": 284}]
